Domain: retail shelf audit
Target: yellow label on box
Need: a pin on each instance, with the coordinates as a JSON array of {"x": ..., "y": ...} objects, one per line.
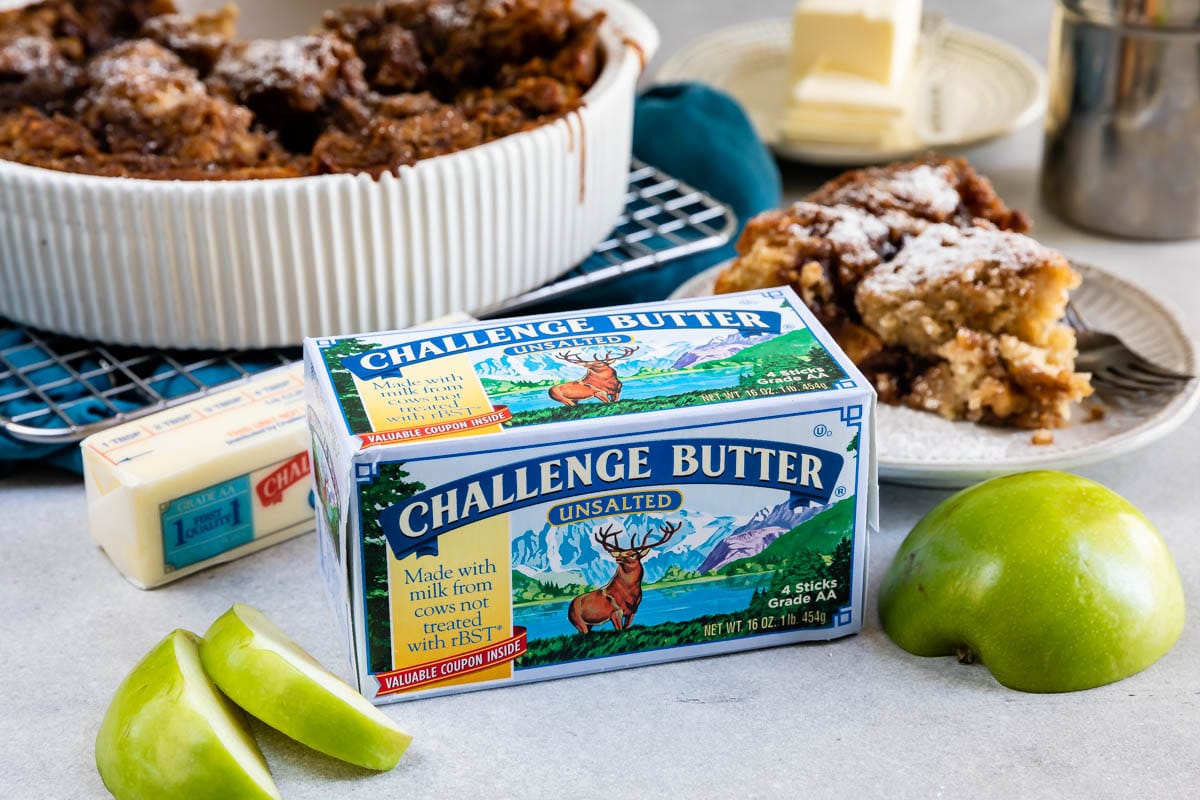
[
  {"x": 427, "y": 399},
  {"x": 454, "y": 605}
]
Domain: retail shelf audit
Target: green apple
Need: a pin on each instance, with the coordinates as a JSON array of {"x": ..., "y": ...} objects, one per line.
[
  {"x": 170, "y": 733},
  {"x": 1052, "y": 581},
  {"x": 271, "y": 677}
]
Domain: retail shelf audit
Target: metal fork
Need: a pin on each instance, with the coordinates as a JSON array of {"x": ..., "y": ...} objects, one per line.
[{"x": 1116, "y": 369}]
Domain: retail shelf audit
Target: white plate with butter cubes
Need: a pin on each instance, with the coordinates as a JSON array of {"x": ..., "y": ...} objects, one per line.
[
  {"x": 965, "y": 88},
  {"x": 922, "y": 449}
]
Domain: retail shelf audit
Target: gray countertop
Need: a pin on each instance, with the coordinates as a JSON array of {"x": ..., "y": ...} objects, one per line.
[{"x": 854, "y": 718}]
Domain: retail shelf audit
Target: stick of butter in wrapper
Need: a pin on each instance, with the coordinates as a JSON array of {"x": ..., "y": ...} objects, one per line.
[{"x": 203, "y": 483}]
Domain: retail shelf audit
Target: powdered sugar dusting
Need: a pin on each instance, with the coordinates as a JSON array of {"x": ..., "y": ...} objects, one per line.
[
  {"x": 27, "y": 55},
  {"x": 207, "y": 32},
  {"x": 910, "y": 437},
  {"x": 907, "y": 435},
  {"x": 283, "y": 64},
  {"x": 856, "y": 234},
  {"x": 855, "y": 228},
  {"x": 927, "y": 190},
  {"x": 139, "y": 66},
  {"x": 140, "y": 80},
  {"x": 943, "y": 252},
  {"x": 925, "y": 185}
]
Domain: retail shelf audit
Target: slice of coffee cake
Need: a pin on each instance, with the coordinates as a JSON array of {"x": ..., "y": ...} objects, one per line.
[
  {"x": 922, "y": 274},
  {"x": 983, "y": 306}
]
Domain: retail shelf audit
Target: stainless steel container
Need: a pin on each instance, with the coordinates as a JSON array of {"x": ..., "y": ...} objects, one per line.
[{"x": 1122, "y": 151}]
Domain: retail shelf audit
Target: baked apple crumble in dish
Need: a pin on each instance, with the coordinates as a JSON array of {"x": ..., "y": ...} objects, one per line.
[
  {"x": 166, "y": 181},
  {"x": 141, "y": 90},
  {"x": 931, "y": 285}
]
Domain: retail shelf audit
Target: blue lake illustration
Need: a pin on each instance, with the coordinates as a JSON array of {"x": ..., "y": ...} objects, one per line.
[
  {"x": 664, "y": 385},
  {"x": 659, "y": 604}
]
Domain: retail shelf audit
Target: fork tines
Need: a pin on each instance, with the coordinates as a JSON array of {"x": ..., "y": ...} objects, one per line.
[{"x": 1115, "y": 367}]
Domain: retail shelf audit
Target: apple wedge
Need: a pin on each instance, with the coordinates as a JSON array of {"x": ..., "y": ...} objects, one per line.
[
  {"x": 168, "y": 732},
  {"x": 271, "y": 677},
  {"x": 1054, "y": 582}
]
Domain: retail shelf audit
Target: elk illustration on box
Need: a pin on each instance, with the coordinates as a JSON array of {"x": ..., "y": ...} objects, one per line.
[
  {"x": 600, "y": 382},
  {"x": 618, "y": 601}
]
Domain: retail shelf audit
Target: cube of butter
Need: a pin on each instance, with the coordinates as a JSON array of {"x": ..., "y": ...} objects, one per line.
[
  {"x": 837, "y": 107},
  {"x": 875, "y": 39},
  {"x": 203, "y": 483}
]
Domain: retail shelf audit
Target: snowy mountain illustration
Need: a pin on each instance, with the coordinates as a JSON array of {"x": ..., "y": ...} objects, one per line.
[
  {"x": 756, "y": 535},
  {"x": 716, "y": 350},
  {"x": 569, "y": 553},
  {"x": 539, "y": 367},
  {"x": 568, "y": 578},
  {"x": 571, "y": 548}
]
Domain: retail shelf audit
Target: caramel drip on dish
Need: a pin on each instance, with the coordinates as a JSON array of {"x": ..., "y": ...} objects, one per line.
[
  {"x": 582, "y": 160},
  {"x": 637, "y": 48}
]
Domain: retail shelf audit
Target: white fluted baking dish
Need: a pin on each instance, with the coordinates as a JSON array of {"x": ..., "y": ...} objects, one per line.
[{"x": 249, "y": 264}]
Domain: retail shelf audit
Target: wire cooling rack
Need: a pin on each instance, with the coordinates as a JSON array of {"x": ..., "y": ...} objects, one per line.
[
  {"x": 55, "y": 389},
  {"x": 664, "y": 220}
]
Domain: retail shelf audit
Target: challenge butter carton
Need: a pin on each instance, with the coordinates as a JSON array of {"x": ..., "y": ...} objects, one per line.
[{"x": 525, "y": 499}]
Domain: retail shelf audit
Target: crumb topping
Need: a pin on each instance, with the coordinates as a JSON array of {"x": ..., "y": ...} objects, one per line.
[
  {"x": 924, "y": 277},
  {"x": 933, "y": 189},
  {"x": 944, "y": 251},
  {"x": 134, "y": 88},
  {"x": 856, "y": 234},
  {"x": 923, "y": 187},
  {"x": 263, "y": 65},
  {"x": 199, "y": 39}
]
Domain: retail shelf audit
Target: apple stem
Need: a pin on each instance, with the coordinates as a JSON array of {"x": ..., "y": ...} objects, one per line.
[{"x": 965, "y": 654}]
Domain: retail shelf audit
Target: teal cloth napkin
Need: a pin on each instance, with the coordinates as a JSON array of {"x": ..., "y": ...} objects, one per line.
[
  {"x": 64, "y": 389},
  {"x": 693, "y": 132},
  {"x": 703, "y": 137}
]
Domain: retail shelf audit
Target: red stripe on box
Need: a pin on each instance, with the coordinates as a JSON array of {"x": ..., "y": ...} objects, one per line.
[{"x": 431, "y": 672}]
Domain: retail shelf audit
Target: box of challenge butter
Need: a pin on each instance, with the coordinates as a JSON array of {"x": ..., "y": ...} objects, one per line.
[{"x": 525, "y": 499}]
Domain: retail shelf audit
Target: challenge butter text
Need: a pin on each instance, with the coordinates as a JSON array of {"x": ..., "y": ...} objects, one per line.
[{"x": 774, "y": 466}]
